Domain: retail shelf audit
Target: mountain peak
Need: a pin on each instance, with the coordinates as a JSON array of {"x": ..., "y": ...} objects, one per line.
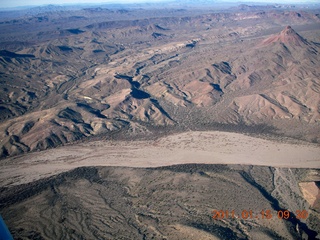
[
  {"x": 287, "y": 36},
  {"x": 288, "y": 30}
]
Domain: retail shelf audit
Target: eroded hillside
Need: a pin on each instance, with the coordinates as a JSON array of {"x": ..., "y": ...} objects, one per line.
[
  {"x": 176, "y": 202},
  {"x": 183, "y": 70}
]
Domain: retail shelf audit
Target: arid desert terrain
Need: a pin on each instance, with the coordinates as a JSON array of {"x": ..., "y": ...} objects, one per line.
[{"x": 152, "y": 121}]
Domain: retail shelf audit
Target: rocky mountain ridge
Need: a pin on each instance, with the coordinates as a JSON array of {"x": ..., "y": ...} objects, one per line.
[{"x": 188, "y": 73}]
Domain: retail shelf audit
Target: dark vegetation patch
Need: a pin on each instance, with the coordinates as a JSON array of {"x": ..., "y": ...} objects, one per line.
[
  {"x": 216, "y": 230},
  {"x": 276, "y": 206},
  {"x": 5, "y": 113},
  {"x": 196, "y": 168},
  {"x": 21, "y": 192},
  {"x": 154, "y": 191},
  {"x": 238, "y": 128}
]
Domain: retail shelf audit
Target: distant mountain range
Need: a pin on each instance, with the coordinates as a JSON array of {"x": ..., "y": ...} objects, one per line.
[{"x": 171, "y": 3}]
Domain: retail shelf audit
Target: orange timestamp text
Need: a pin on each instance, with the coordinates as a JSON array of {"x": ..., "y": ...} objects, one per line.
[{"x": 264, "y": 214}]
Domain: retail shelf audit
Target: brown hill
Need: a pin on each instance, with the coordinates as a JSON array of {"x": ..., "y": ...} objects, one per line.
[
  {"x": 287, "y": 36},
  {"x": 105, "y": 76}
]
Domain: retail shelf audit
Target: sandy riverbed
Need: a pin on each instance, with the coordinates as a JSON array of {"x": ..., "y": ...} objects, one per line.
[{"x": 191, "y": 147}]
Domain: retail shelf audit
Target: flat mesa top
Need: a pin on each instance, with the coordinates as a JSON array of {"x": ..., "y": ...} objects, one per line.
[{"x": 212, "y": 147}]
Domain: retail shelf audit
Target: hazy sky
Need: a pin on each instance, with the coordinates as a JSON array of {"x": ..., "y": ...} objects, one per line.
[{"x": 15, "y": 3}]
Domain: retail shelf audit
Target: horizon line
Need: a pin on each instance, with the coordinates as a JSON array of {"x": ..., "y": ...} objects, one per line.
[{"x": 135, "y": 2}]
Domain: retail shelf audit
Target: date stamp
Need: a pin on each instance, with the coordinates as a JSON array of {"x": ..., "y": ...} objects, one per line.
[{"x": 263, "y": 214}]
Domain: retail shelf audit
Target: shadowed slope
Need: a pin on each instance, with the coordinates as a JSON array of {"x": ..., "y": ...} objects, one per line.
[{"x": 175, "y": 202}]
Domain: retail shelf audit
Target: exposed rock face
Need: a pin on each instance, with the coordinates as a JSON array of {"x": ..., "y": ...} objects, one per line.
[
  {"x": 96, "y": 73},
  {"x": 111, "y": 76},
  {"x": 287, "y": 36}
]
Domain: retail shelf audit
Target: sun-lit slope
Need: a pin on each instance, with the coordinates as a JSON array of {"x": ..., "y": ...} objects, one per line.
[
  {"x": 49, "y": 128},
  {"x": 273, "y": 82},
  {"x": 284, "y": 80},
  {"x": 68, "y": 99},
  {"x": 189, "y": 72}
]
